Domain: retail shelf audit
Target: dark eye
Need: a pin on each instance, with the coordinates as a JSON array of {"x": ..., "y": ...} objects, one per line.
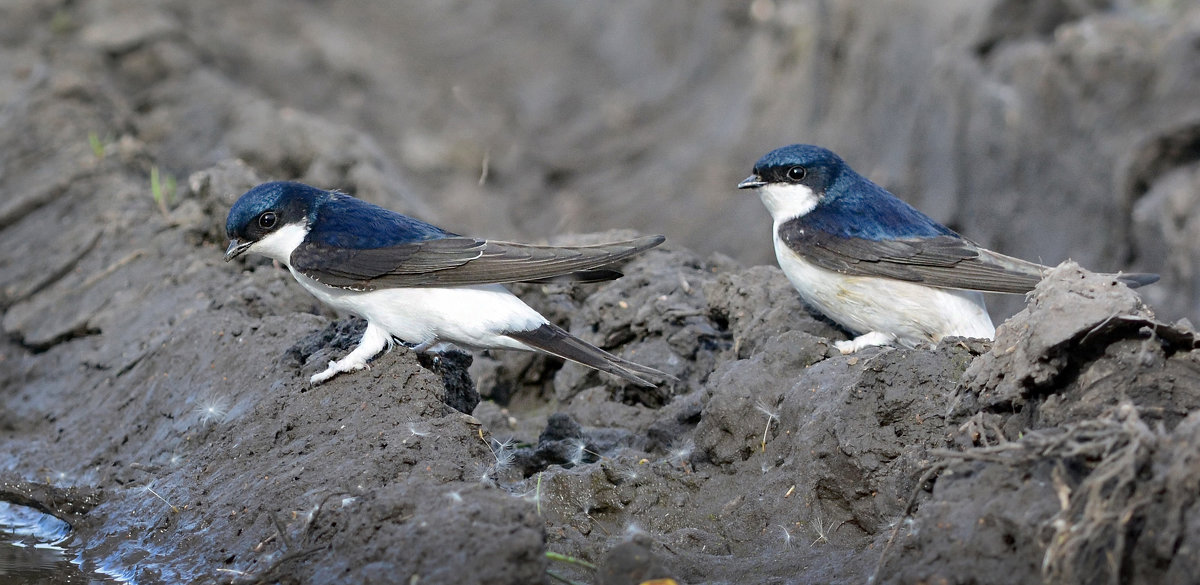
[
  {"x": 797, "y": 174},
  {"x": 266, "y": 221}
]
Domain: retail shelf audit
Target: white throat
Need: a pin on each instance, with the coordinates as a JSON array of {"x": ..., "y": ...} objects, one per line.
[
  {"x": 279, "y": 244},
  {"x": 786, "y": 201}
]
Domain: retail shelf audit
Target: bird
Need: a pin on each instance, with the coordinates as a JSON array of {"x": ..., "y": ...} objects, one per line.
[
  {"x": 876, "y": 265},
  {"x": 418, "y": 283}
]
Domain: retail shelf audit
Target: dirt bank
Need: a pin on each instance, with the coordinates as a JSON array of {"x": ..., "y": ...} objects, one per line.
[{"x": 155, "y": 397}]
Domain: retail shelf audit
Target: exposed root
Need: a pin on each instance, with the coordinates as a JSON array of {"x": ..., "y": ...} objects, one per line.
[
  {"x": 1100, "y": 477},
  {"x": 1090, "y": 539}
]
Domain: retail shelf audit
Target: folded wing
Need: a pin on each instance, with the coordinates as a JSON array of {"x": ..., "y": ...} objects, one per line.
[
  {"x": 459, "y": 261},
  {"x": 941, "y": 261}
]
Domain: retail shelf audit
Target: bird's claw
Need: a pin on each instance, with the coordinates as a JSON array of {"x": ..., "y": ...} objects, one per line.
[
  {"x": 336, "y": 368},
  {"x": 870, "y": 339}
]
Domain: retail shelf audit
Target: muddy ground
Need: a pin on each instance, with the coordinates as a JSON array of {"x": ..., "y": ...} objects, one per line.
[{"x": 155, "y": 397}]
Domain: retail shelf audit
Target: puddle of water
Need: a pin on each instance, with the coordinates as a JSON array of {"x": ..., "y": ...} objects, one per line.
[{"x": 31, "y": 550}]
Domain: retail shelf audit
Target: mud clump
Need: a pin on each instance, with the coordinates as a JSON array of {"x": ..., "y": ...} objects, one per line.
[{"x": 1080, "y": 421}]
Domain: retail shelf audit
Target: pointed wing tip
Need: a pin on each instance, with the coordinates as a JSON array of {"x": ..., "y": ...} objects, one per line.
[
  {"x": 1138, "y": 279},
  {"x": 666, "y": 379},
  {"x": 636, "y": 376},
  {"x": 647, "y": 242},
  {"x": 580, "y": 277}
]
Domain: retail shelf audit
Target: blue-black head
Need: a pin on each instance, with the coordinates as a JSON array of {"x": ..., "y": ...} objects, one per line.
[
  {"x": 267, "y": 208},
  {"x": 795, "y": 179},
  {"x": 799, "y": 164},
  {"x": 813, "y": 183}
]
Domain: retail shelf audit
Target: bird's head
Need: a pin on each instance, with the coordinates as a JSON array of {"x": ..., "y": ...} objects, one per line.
[
  {"x": 794, "y": 180},
  {"x": 271, "y": 219}
]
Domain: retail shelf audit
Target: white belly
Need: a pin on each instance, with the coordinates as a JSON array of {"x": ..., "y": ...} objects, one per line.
[
  {"x": 474, "y": 316},
  {"x": 915, "y": 314}
]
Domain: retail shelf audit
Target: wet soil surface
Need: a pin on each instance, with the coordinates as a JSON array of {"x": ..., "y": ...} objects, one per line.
[{"x": 156, "y": 399}]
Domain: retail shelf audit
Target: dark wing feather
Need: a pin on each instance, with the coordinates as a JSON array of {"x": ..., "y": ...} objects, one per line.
[
  {"x": 554, "y": 340},
  {"x": 457, "y": 261},
  {"x": 943, "y": 261}
]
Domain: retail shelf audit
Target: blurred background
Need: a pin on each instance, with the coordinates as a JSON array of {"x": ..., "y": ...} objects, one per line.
[{"x": 1046, "y": 129}]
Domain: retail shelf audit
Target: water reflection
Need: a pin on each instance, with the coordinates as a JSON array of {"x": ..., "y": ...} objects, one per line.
[{"x": 31, "y": 551}]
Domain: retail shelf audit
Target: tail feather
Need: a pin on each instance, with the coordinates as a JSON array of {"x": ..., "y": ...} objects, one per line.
[
  {"x": 581, "y": 277},
  {"x": 1136, "y": 279},
  {"x": 555, "y": 341}
]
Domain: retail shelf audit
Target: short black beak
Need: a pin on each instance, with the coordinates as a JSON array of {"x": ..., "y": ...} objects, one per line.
[
  {"x": 235, "y": 249},
  {"x": 752, "y": 182}
]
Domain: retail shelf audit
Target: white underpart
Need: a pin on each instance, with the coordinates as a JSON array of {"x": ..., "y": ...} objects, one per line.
[
  {"x": 471, "y": 316},
  {"x": 881, "y": 310}
]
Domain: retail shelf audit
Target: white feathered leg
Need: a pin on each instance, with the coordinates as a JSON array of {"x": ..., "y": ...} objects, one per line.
[
  {"x": 373, "y": 341},
  {"x": 870, "y": 339}
]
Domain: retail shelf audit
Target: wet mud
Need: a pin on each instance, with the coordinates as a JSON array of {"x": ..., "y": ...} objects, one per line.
[{"x": 156, "y": 398}]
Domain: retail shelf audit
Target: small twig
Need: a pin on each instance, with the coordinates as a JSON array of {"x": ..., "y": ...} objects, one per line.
[
  {"x": 111, "y": 268},
  {"x": 908, "y": 507},
  {"x": 155, "y": 494},
  {"x": 597, "y": 524}
]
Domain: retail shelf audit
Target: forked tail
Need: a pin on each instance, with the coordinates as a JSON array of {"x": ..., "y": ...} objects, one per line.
[{"x": 555, "y": 341}]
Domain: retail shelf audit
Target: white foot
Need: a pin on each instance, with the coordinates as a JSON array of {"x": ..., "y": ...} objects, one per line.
[
  {"x": 870, "y": 339},
  {"x": 433, "y": 346},
  {"x": 336, "y": 368},
  {"x": 373, "y": 341}
]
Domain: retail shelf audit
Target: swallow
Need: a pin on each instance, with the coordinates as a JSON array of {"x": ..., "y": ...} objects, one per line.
[
  {"x": 418, "y": 283},
  {"x": 874, "y": 264}
]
